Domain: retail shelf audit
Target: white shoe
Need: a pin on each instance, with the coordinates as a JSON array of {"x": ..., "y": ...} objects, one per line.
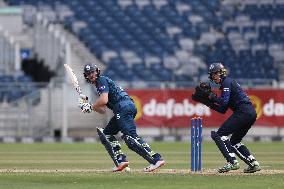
[
  {"x": 121, "y": 166},
  {"x": 152, "y": 167}
]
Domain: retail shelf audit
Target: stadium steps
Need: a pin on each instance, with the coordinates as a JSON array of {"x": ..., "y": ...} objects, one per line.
[{"x": 80, "y": 54}]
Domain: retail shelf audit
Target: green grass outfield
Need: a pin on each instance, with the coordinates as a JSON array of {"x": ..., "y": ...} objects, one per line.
[{"x": 81, "y": 165}]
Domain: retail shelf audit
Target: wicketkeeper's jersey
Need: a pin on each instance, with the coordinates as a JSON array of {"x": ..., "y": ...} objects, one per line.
[{"x": 232, "y": 95}]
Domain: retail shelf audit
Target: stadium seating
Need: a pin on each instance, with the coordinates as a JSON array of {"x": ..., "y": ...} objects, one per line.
[
  {"x": 14, "y": 87},
  {"x": 135, "y": 38}
]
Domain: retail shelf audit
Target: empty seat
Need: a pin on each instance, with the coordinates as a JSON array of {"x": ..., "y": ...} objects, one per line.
[{"x": 159, "y": 33}]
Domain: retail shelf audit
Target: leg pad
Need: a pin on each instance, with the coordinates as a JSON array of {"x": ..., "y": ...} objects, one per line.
[
  {"x": 111, "y": 145},
  {"x": 224, "y": 146},
  {"x": 140, "y": 147}
]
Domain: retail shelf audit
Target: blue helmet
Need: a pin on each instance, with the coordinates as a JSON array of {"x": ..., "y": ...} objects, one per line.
[
  {"x": 217, "y": 67},
  {"x": 90, "y": 68}
]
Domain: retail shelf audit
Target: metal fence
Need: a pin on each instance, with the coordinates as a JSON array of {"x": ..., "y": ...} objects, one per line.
[
  {"x": 43, "y": 109},
  {"x": 16, "y": 109}
]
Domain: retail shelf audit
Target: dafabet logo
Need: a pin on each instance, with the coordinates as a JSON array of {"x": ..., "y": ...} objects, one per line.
[{"x": 170, "y": 108}]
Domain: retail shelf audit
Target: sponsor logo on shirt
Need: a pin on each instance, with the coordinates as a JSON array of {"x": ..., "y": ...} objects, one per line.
[
  {"x": 102, "y": 88},
  {"x": 226, "y": 89}
]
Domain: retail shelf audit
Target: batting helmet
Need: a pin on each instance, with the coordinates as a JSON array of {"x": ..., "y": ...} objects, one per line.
[{"x": 88, "y": 69}]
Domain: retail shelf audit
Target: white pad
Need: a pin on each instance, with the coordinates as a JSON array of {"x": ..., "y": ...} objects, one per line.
[{"x": 224, "y": 138}]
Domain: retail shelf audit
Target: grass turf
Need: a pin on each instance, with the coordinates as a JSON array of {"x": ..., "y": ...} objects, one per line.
[{"x": 88, "y": 166}]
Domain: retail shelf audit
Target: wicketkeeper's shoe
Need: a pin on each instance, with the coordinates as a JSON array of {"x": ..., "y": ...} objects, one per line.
[
  {"x": 254, "y": 168},
  {"x": 228, "y": 167},
  {"x": 121, "y": 166}
]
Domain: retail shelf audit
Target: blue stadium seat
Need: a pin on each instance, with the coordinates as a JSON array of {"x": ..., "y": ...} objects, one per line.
[
  {"x": 13, "y": 87},
  {"x": 144, "y": 31},
  {"x": 183, "y": 78}
]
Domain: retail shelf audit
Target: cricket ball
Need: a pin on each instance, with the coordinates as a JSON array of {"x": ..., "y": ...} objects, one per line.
[{"x": 127, "y": 169}]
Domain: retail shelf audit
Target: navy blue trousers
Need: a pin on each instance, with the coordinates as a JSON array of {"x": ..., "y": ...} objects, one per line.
[
  {"x": 123, "y": 119},
  {"x": 239, "y": 123}
]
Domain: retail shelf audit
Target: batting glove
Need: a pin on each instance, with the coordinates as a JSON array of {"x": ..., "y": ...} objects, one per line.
[
  {"x": 86, "y": 108},
  {"x": 84, "y": 104},
  {"x": 82, "y": 99}
]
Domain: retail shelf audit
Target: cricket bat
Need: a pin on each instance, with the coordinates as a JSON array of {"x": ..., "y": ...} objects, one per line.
[{"x": 73, "y": 78}]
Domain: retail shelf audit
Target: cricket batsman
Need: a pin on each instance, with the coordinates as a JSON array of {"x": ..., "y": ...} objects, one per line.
[
  {"x": 115, "y": 98},
  {"x": 237, "y": 125}
]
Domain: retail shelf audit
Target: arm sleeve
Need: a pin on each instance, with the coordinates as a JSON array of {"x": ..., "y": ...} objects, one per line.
[
  {"x": 221, "y": 103},
  {"x": 219, "y": 108},
  {"x": 103, "y": 85},
  {"x": 223, "y": 100}
]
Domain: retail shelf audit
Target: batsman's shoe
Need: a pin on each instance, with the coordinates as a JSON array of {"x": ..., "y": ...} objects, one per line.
[
  {"x": 153, "y": 167},
  {"x": 254, "y": 168},
  {"x": 121, "y": 166},
  {"x": 228, "y": 167},
  {"x": 159, "y": 163}
]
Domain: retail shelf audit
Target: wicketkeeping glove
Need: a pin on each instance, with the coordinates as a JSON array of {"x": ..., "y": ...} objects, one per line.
[
  {"x": 204, "y": 90},
  {"x": 204, "y": 100},
  {"x": 205, "y": 86}
]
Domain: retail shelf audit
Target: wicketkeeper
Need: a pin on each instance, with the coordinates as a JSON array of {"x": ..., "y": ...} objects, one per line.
[
  {"x": 237, "y": 125},
  {"x": 115, "y": 98}
]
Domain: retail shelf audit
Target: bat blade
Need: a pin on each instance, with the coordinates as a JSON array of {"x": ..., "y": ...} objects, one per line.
[{"x": 73, "y": 78}]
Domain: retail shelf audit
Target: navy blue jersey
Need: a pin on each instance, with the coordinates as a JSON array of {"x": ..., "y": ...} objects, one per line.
[
  {"x": 232, "y": 96},
  {"x": 115, "y": 92}
]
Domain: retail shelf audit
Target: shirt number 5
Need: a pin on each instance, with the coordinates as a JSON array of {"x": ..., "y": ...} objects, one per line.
[{"x": 117, "y": 116}]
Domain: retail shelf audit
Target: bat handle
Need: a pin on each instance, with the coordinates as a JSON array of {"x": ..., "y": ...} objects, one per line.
[{"x": 83, "y": 96}]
